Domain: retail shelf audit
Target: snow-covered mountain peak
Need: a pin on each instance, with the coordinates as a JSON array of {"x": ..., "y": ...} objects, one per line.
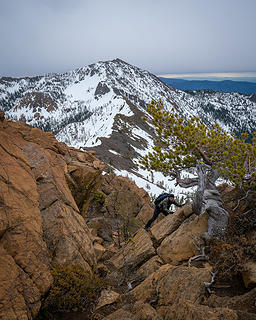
[{"x": 100, "y": 106}]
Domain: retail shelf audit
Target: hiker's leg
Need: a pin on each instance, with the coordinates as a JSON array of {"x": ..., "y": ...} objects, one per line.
[
  {"x": 155, "y": 215},
  {"x": 167, "y": 213}
]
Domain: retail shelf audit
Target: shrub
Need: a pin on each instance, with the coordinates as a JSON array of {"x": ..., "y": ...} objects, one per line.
[
  {"x": 229, "y": 257},
  {"x": 73, "y": 288},
  {"x": 99, "y": 197},
  {"x": 241, "y": 223}
]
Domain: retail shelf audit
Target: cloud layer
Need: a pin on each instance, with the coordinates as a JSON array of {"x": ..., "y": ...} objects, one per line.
[{"x": 164, "y": 36}]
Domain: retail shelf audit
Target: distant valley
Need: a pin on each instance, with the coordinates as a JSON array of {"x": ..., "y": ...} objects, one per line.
[{"x": 223, "y": 86}]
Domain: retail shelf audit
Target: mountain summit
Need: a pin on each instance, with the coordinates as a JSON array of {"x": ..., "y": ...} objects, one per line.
[{"x": 101, "y": 106}]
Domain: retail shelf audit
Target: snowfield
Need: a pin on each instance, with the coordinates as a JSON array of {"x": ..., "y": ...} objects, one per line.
[{"x": 106, "y": 100}]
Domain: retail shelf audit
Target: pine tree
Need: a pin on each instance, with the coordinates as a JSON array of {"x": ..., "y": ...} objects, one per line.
[{"x": 182, "y": 144}]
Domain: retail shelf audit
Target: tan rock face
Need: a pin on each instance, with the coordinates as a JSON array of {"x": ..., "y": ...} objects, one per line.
[
  {"x": 99, "y": 250},
  {"x": 25, "y": 253},
  {"x": 189, "y": 311},
  {"x": 249, "y": 276},
  {"x": 120, "y": 314},
  {"x": 167, "y": 284},
  {"x": 19, "y": 296},
  {"x": 116, "y": 202},
  {"x": 149, "y": 267},
  {"x": 123, "y": 196},
  {"x": 39, "y": 219},
  {"x": 244, "y": 303},
  {"x": 144, "y": 311},
  {"x": 180, "y": 245},
  {"x": 177, "y": 293},
  {"x": 145, "y": 213},
  {"x": 171, "y": 223},
  {"x": 107, "y": 297},
  {"x": 136, "y": 252},
  {"x": 84, "y": 178},
  {"x": 171, "y": 290}
]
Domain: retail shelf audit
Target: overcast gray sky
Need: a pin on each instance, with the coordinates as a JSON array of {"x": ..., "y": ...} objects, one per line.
[{"x": 161, "y": 36}]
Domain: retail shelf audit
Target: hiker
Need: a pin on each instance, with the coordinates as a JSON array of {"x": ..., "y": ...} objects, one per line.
[{"x": 162, "y": 204}]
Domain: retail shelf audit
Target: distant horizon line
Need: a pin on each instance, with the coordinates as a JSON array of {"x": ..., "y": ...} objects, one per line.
[{"x": 210, "y": 75}]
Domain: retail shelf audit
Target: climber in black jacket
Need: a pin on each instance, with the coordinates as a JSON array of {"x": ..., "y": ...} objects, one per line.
[{"x": 163, "y": 206}]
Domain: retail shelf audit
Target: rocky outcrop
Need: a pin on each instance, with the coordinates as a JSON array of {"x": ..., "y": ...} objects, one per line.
[
  {"x": 181, "y": 244},
  {"x": 39, "y": 219},
  {"x": 152, "y": 265},
  {"x": 138, "y": 251},
  {"x": 120, "y": 314},
  {"x": 177, "y": 293},
  {"x": 55, "y": 205},
  {"x": 107, "y": 297},
  {"x": 167, "y": 274},
  {"x": 244, "y": 304},
  {"x": 249, "y": 275},
  {"x": 117, "y": 206},
  {"x": 47, "y": 192},
  {"x": 171, "y": 223}
]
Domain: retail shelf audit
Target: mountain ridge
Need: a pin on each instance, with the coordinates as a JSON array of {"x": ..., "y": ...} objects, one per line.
[{"x": 100, "y": 107}]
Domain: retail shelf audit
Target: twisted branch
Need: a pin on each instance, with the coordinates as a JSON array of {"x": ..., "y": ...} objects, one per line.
[{"x": 208, "y": 284}]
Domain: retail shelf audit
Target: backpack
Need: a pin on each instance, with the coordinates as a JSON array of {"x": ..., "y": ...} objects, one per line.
[{"x": 161, "y": 197}]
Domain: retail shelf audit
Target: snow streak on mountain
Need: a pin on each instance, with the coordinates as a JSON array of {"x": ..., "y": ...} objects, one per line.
[{"x": 100, "y": 107}]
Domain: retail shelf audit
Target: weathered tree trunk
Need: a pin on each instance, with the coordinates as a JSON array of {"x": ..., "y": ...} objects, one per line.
[{"x": 207, "y": 199}]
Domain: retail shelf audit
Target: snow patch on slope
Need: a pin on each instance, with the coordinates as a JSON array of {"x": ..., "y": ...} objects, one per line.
[
  {"x": 155, "y": 183},
  {"x": 81, "y": 118},
  {"x": 87, "y": 133}
]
